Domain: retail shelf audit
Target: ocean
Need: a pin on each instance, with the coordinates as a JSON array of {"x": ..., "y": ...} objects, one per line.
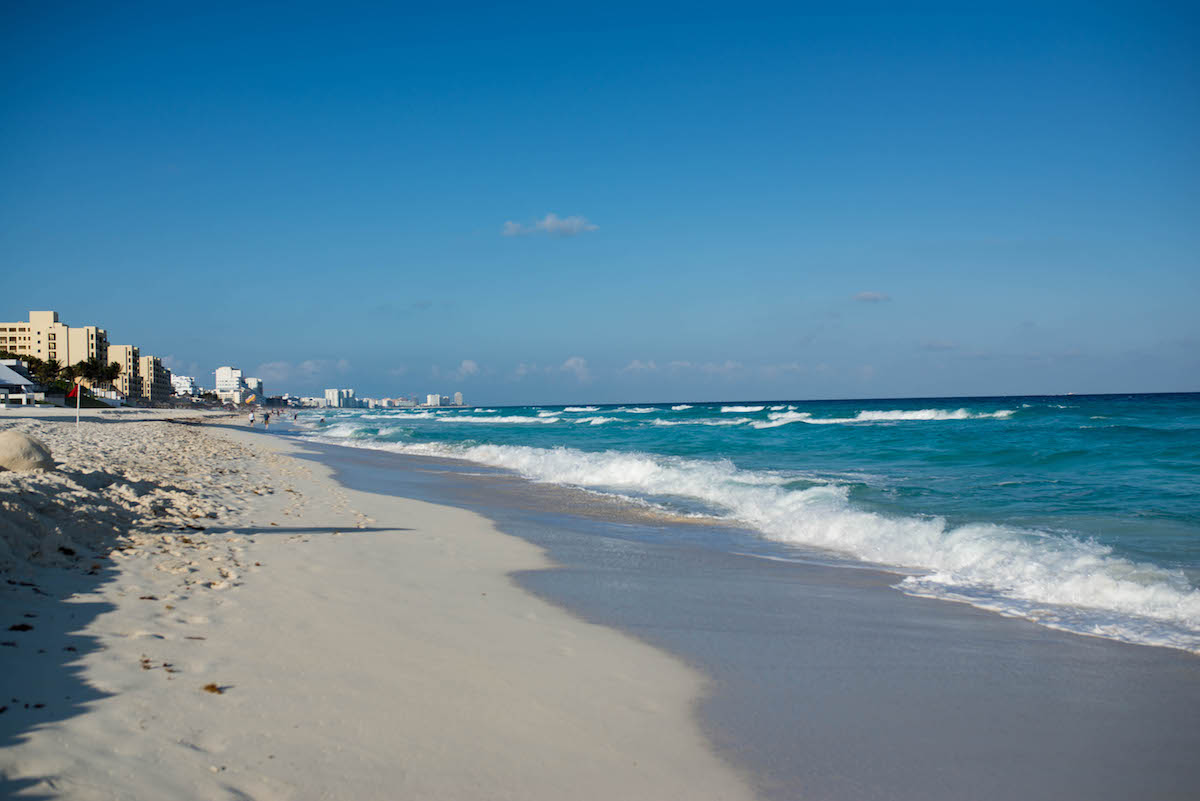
[{"x": 1080, "y": 513}]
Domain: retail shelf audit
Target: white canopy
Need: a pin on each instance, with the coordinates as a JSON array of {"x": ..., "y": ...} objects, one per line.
[{"x": 11, "y": 379}]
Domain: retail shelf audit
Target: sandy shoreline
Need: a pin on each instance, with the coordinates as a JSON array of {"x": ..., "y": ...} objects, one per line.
[
  {"x": 364, "y": 646},
  {"x": 828, "y": 682}
]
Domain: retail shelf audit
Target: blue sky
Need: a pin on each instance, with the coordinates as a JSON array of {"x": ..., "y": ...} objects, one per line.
[{"x": 553, "y": 203}]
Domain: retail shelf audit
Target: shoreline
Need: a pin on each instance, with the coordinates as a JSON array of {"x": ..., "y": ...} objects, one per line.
[
  {"x": 356, "y": 646},
  {"x": 337, "y": 602},
  {"x": 828, "y": 681}
]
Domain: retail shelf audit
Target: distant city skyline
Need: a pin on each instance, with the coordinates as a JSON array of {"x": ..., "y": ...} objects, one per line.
[{"x": 649, "y": 202}]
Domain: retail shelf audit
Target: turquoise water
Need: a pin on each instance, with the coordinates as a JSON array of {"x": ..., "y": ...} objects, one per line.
[{"x": 1078, "y": 512}]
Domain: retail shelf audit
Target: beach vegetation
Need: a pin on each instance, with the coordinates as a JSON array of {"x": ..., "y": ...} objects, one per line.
[{"x": 55, "y": 376}]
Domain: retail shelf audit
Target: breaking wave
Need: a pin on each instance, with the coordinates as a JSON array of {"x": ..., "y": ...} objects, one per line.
[
  {"x": 658, "y": 421},
  {"x": 506, "y": 419},
  {"x": 776, "y": 419},
  {"x": 1059, "y": 580}
]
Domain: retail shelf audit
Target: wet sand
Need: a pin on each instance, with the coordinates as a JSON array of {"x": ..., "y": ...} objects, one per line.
[{"x": 828, "y": 683}]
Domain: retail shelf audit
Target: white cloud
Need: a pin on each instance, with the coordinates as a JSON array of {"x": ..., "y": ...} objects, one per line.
[
  {"x": 524, "y": 369},
  {"x": 467, "y": 368},
  {"x": 551, "y": 224},
  {"x": 177, "y": 366},
  {"x": 637, "y": 365},
  {"x": 578, "y": 366},
  {"x": 274, "y": 372},
  {"x": 282, "y": 371},
  {"x": 721, "y": 369},
  {"x": 777, "y": 370},
  {"x": 872, "y": 297}
]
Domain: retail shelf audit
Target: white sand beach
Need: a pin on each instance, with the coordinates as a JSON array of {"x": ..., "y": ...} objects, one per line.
[{"x": 190, "y": 612}]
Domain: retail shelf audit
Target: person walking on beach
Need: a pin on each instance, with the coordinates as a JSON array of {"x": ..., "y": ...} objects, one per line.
[
  {"x": 252, "y": 418},
  {"x": 266, "y": 419}
]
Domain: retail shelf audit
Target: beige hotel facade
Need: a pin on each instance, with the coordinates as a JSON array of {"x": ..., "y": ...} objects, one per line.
[
  {"x": 45, "y": 338},
  {"x": 129, "y": 382},
  {"x": 156, "y": 380}
]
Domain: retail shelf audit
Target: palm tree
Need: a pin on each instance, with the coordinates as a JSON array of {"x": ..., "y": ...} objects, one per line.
[
  {"x": 47, "y": 372},
  {"x": 90, "y": 369}
]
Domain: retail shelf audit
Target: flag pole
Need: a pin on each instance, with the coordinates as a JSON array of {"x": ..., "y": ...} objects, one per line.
[{"x": 78, "y": 399}]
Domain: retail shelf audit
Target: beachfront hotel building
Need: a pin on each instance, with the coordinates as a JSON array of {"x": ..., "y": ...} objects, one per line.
[
  {"x": 156, "y": 379},
  {"x": 231, "y": 385},
  {"x": 229, "y": 379},
  {"x": 184, "y": 385},
  {"x": 340, "y": 399},
  {"x": 44, "y": 337},
  {"x": 129, "y": 382}
]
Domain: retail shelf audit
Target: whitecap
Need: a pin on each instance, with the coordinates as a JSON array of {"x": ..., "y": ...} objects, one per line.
[
  {"x": 776, "y": 419},
  {"x": 1059, "y": 580},
  {"x": 490, "y": 420}
]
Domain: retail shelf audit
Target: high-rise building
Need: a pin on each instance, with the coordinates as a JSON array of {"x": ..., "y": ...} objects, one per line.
[
  {"x": 433, "y": 400},
  {"x": 156, "y": 379},
  {"x": 255, "y": 385},
  {"x": 183, "y": 384},
  {"x": 45, "y": 338},
  {"x": 458, "y": 401},
  {"x": 87, "y": 342},
  {"x": 229, "y": 379},
  {"x": 340, "y": 398},
  {"x": 129, "y": 382}
]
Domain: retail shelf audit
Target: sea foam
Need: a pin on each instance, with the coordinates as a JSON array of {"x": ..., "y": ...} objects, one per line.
[
  {"x": 776, "y": 419},
  {"x": 1056, "y": 579},
  {"x": 502, "y": 419}
]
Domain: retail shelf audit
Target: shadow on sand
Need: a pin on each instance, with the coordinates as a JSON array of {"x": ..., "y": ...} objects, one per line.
[{"x": 44, "y": 610}]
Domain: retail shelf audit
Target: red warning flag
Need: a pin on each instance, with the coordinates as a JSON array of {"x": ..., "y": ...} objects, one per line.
[{"x": 74, "y": 391}]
